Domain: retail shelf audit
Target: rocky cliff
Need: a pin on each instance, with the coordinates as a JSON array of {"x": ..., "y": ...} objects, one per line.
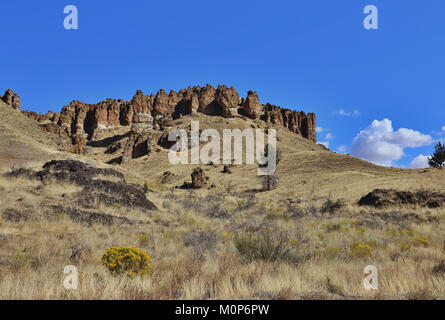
[{"x": 79, "y": 122}]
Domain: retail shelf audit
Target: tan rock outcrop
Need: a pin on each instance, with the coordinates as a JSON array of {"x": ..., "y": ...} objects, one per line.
[
  {"x": 12, "y": 99},
  {"x": 82, "y": 121},
  {"x": 252, "y": 106},
  {"x": 228, "y": 100}
]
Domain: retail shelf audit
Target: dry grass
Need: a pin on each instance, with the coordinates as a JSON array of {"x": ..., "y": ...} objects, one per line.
[
  {"x": 324, "y": 264},
  {"x": 22, "y": 141}
]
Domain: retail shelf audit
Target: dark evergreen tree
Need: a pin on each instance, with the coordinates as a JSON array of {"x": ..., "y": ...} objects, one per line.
[
  {"x": 437, "y": 160},
  {"x": 269, "y": 182},
  {"x": 266, "y": 153}
]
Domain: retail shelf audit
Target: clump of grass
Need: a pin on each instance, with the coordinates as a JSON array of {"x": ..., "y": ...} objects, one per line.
[
  {"x": 265, "y": 245},
  {"x": 420, "y": 241},
  {"x": 405, "y": 247},
  {"x": 332, "y": 253},
  {"x": 332, "y": 227},
  {"x": 215, "y": 206},
  {"x": 201, "y": 241},
  {"x": 439, "y": 269},
  {"x": 332, "y": 206},
  {"x": 245, "y": 201},
  {"x": 166, "y": 204},
  {"x": 407, "y": 232},
  {"x": 143, "y": 239},
  {"x": 332, "y": 288},
  {"x": 421, "y": 294}
]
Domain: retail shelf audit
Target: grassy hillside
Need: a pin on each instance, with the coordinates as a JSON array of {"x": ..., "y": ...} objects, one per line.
[
  {"x": 22, "y": 141},
  {"x": 307, "y": 171},
  {"x": 307, "y": 239}
]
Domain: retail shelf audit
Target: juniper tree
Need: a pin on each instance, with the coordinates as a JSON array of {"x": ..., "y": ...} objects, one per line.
[
  {"x": 437, "y": 160},
  {"x": 270, "y": 181},
  {"x": 266, "y": 154}
]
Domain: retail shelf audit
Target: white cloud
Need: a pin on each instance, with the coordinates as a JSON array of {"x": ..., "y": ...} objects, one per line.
[
  {"x": 319, "y": 129},
  {"x": 329, "y": 136},
  {"x": 443, "y": 128},
  {"x": 342, "y": 112},
  {"x": 342, "y": 148},
  {"x": 325, "y": 143},
  {"x": 379, "y": 143},
  {"x": 420, "y": 161}
]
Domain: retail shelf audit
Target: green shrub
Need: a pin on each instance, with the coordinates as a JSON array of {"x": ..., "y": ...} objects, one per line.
[
  {"x": 127, "y": 260},
  {"x": 146, "y": 189}
]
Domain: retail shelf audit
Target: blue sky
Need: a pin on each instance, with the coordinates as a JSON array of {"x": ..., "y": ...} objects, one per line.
[{"x": 309, "y": 55}]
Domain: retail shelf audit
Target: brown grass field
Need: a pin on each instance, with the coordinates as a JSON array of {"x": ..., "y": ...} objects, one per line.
[{"x": 230, "y": 242}]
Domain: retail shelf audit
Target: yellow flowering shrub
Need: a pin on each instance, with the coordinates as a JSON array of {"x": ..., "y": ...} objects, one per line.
[
  {"x": 420, "y": 241},
  {"x": 361, "y": 250},
  {"x": 407, "y": 232},
  {"x": 129, "y": 260}
]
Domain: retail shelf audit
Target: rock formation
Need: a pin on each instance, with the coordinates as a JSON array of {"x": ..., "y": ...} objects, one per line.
[
  {"x": 99, "y": 186},
  {"x": 381, "y": 198},
  {"x": 252, "y": 106},
  {"x": 140, "y": 141},
  {"x": 11, "y": 98},
  {"x": 79, "y": 122},
  {"x": 199, "y": 180}
]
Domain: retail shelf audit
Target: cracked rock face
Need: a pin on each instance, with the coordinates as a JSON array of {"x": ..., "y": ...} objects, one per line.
[{"x": 140, "y": 142}]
